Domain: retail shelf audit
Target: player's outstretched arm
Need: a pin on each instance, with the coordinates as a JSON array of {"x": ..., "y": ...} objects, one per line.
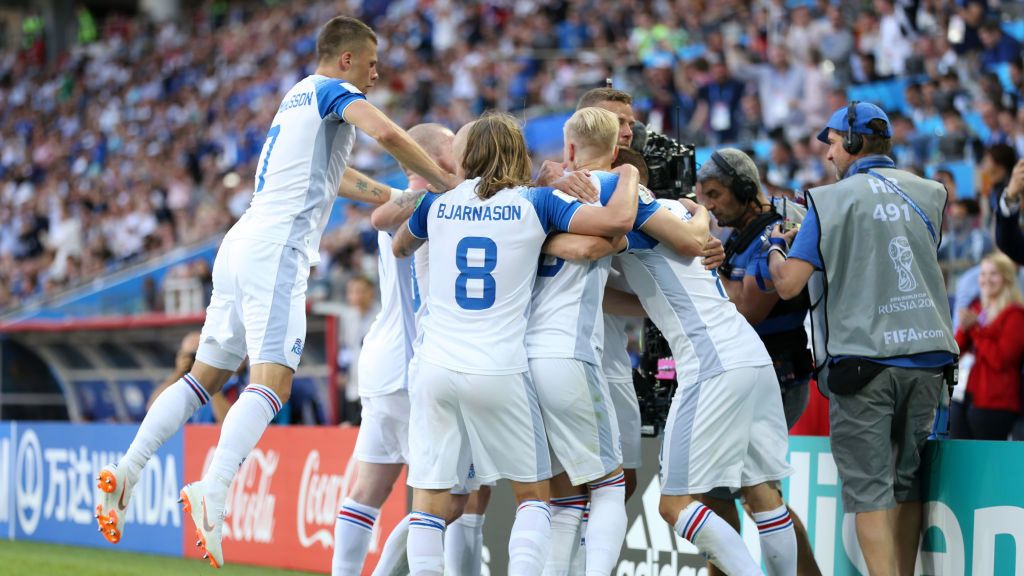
[
  {"x": 397, "y": 142},
  {"x": 615, "y": 219},
  {"x": 569, "y": 246},
  {"x": 622, "y": 303},
  {"x": 389, "y": 216},
  {"x": 358, "y": 186},
  {"x": 405, "y": 243},
  {"x": 686, "y": 238}
]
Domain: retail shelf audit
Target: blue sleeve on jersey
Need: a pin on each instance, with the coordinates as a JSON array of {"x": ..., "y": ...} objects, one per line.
[
  {"x": 645, "y": 207},
  {"x": 334, "y": 95},
  {"x": 555, "y": 209},
  {"x": 418, "y": 220},
  {"x": 805, "y": 246},
  {"x": 608, "y": 183},
  {"x": 644, "y": 211},
  {"x": 637, "y": 240}
]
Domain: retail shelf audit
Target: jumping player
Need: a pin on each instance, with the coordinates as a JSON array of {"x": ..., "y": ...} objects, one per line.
[{"x": 261, "y": 269}]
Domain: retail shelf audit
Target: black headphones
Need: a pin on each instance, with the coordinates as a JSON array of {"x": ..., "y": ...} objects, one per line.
[
  {"x": 743, "y": 188},
  {"x": 853, "y": 143}
]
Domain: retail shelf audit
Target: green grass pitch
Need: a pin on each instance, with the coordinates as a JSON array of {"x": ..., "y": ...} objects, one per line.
[{"x": 41, "y": 559}]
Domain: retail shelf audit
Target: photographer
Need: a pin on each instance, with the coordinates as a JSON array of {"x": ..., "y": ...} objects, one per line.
[
  {"x": 883, "y": 337},
  {"x": 729, "y": 189}
]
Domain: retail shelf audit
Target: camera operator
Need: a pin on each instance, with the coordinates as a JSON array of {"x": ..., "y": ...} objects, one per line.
[
  {"x": 883, "y": 337},
  {"x": 730, "y": 189}
]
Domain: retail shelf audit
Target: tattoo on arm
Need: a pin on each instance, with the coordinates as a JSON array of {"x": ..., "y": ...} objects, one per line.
[
  {"x": 361, "y": 185},
  {"x": 378, "y": 191},
  {"x": 407, "y": 200}
]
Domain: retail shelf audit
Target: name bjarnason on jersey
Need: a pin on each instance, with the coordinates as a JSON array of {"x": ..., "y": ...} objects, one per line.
[{"x": 477, "y": 213}]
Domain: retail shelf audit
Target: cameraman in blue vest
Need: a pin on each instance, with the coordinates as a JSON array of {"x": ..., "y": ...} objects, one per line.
[{"x": 881, "y": 328}]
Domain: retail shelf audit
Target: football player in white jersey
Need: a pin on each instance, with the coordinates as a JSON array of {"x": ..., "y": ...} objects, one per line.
[
  {"x": 726, "y": 425},
  {"x": 472, "y": 397},
  {"x": 260, "y": 273},
  {"x": 382, "y": 446},
  {"x": 563, "y": 342}
]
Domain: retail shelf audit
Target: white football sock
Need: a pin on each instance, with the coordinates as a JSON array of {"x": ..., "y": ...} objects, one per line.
[
  {"x": 353, "y": 529},
  {"x": 241, "y": 430},
  {"x": 171, "y": 409},
  {"x": 393, "y": 559},
  {"x": 530, "y": 539},
  {"x": 566, "y": 515},
  {"x": 426, "y": 545},
  {"x": 778, "y": 541},
  {"x": 607, "y": 526},
  {"x": 716, "y": 539},
  {"x": 578, "y": 564},
  {"x": 464, "y": 545}
]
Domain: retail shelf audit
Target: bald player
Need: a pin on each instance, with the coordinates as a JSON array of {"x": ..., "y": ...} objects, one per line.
[{"x": 383, "y": 442}]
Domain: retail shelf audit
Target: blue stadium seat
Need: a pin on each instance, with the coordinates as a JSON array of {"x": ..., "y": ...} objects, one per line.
[
  {"x": 135, "y": 394},
  {"x": 96, "y": 400},
  {"x": 963, "y": 175},
  {"x": 977, "y": 126},
  {"x": 1015, "y": 29},
  {"x": 888, "y": 94}
]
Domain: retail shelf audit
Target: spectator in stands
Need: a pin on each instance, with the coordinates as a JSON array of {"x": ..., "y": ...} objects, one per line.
[
  {"x": 360, "y": 308},
  {"x": 1009, "y": 227},
  {"x": 993, "y": 330},
  {"x": 718, "y": 103},
  {"x": 995, "y": 170},
  {"x": 1000, "y": 48},
  {"x": 957, "y": 142},
  {"x": 964, "y": 241}
]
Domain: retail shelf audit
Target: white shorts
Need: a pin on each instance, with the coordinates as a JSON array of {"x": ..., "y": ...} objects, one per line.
[
  {"x": 727, "y": 431},
  {"x": 258, "y": 306},
  {"x": 578, "y": 416},
  {"x": 627, "y": 414},
  {"x": 384, "y": 432},
  {"x": 456, "y": 419}
]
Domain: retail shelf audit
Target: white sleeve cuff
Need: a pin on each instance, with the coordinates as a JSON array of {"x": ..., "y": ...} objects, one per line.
[{"x": 1008, "y": 209}]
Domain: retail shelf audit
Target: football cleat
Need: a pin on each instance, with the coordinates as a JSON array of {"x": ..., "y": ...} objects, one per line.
[
  {"x": 115, "y": 493},
  {"x": 208, "y": 518}
]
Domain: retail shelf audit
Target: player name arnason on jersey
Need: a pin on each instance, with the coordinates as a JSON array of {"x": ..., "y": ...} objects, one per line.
[
  {"x": 476, "y": 213},
  {"x": 301, "y": 99}
]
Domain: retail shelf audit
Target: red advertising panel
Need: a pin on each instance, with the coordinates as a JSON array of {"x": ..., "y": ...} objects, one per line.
[{"x": 282, "y": 505}]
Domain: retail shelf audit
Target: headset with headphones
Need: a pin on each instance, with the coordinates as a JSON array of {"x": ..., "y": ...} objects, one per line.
[
  {"x": 743, "y": 188},
  {"x": 853, "y": 143}
]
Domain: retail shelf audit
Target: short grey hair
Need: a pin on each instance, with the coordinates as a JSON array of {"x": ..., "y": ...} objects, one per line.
[{"x": 740, "y": 162}]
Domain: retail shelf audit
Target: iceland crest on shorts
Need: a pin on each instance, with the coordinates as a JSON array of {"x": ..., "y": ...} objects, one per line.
[{"x": 297, "y": 347}]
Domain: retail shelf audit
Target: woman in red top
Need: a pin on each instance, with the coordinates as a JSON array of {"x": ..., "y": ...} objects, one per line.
[{"x": 994, "y": 331}]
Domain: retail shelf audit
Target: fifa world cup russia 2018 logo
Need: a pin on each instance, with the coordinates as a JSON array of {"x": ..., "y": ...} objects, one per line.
[{"x": 902, "y": 258}]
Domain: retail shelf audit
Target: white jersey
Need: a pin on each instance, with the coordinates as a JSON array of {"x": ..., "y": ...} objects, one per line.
[
  {"x": 388, "y": 344},
  {"x": 689, "y": 305},
  {"x": 300, "y": 166},
  {"x": 566, "y": 320},
  {"x": 483, "y": 258},
  {"x": 615, "y": 359}
]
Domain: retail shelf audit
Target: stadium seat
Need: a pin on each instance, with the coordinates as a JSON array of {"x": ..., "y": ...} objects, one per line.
[
  {"x": 96, "y": 400},
  {"x": 135, "y": 394}
]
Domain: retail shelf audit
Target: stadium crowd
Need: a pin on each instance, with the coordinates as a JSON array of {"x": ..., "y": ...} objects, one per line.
[{"x": 145, "y": 135}]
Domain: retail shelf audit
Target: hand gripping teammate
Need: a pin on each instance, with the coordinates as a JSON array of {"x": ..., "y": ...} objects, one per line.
[
  {"x": 472, "y": 399},
  {"x": 261, "y": 269}
]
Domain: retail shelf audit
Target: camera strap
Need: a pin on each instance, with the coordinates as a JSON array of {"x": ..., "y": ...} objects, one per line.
[{"x": 740, "y": 240}]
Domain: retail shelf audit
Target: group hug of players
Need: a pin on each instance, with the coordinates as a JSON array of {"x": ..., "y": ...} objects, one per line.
[
  {"x": 515, "y": 365},
  {"x": 509, "y": 368}
]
